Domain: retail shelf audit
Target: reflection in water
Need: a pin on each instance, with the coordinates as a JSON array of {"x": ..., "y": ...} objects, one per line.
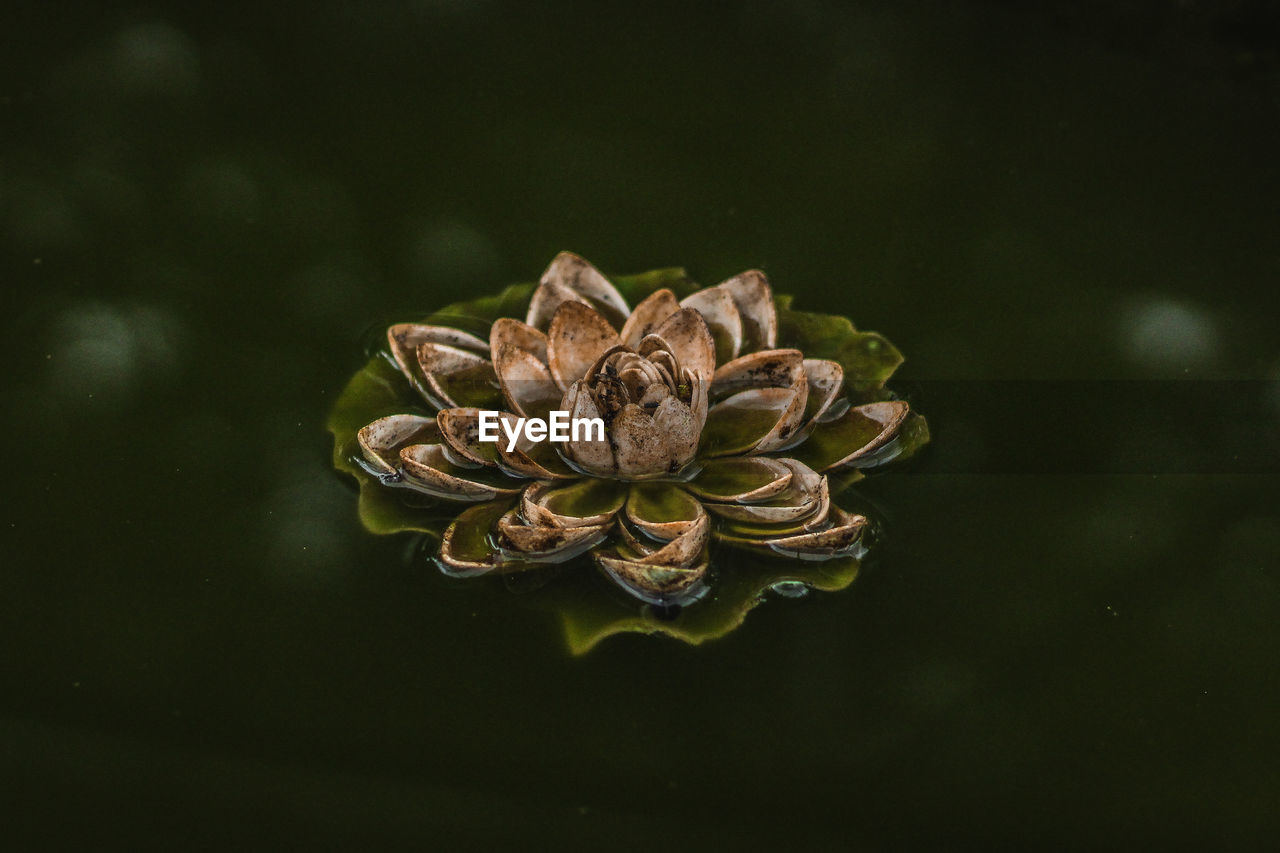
[
  {"x": 100, "y": 352},
  {"x": 1163, "y": 334}
]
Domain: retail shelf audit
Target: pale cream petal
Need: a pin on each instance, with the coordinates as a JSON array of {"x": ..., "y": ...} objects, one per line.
[
  {"x": 689, "y": 339},
  {"x": 754, "y": 299},
  {"x": 716, "y": 306},
  {"x": 578, "y": 336},
  {"x": 646, "y": 317},
  {"x": 380, "y": 441}
]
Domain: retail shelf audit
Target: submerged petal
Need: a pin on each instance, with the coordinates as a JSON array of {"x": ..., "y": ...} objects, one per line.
[
  {"x": 740, "y": 479},
  {"x": 754, "y": 421},
  {"x": 466, "y": 548},
  {"x": 841, "y": 538},
  {"x": 662, "y": 510},
  {"x": 380, "y": 442},
  {"x": 854, "y": 436},
  {"x": 428, "y": 469},
  {"x": 689, "y": 339},
  {"x": 646, "y": 317},
  {"x": 754, "y": 299},
  {"x": 577, "y": 338},
  {"x": 716, "y": 306},
  {"x": 662, "y": 585},
  {"x": 587, "y": 502},
  {"x": 456, "y": 377},
  {"x": 547, "y": 542}
]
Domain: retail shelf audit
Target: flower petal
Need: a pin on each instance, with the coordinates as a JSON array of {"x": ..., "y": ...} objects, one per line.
[
  {"x": 807, "y": 498},
  {"x": 716, "y": 306},
  {"x": 646, "y": 317},
  {"x": 853, "y": 437},
  {"x": 508, "y": 331},
  {"x": 456, "y": 377},
  {"x": 661, "y": 585},
  {"x": 590, "y": 454},
  {"x": 843, "y": 537},
  {"x": 661, "y": 443},
  {"x": 587, "y": 502},
  {"x": 754, "y": 299},
  {"x": 380, "y": 441},
  {"x": 405, "y": 338},
  {"x": 526, "y": 382},
  {"x": 465, "y": 548},
  {"x": 569, "y": 272},
  {"x": 427, "y": 469},
  {"x": 547, "y": 542},
  {"x": 685, "y": 549},
  {"x": 740, "y": 479},
  {"x": 826, "y": 379},
  {"x": 773, "y": 368},
  {"x": 578, "y": 336},
  {"x": 662, "y": 510},
  {"x": 688, "y": 338},
  {"x": 460, "y": 429},
  {"x": 754, "y": 421}
]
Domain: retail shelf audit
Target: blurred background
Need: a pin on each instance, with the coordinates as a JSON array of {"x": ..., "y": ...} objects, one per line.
[{"x": 1065, "y": 216}]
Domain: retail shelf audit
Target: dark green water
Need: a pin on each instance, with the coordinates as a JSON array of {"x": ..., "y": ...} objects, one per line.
[{"x": 1067, "y": 220}]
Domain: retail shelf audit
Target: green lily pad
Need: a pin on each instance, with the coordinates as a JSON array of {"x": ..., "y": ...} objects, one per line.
[{"x": 868, "y": 358}]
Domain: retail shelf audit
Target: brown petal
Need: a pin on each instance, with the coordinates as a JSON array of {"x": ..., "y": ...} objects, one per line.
[
  {"x": 754, "y": 299},
  {"x": 807, "y": 497},
  {"x": 579, "y": 276},
  {"x": 689, "y": 339},
  {"x": 685, "y": 549},
  {"x": 842, "y": 537},
  {"x": 773, "y": 368},
  {"x": 426, "y": 466},
  {"x": 454, "y": 376},
  {"x": 754, "y": 421},
  {"x": 577, "y": 338},
  {"x": 546, "y": 299},
  {"x": 547, "y": 542},
  {"x": 508, "y": 331},
  {"x": 526, "y": 382},
  {"x": 741, "y": 479},
  {"x": 460, "y": 429},
  {"x": 655, "y": 308},
  {"x": 662, "y": 510},
  {"x": 592, "y": 455},
  {"x": 646, "y": 445},
  {"x": 826, "y": 379},
  {"x": 587, "y": 502},
  {"x": 654, "y": 584},
  {"x": 716, "y": 306},
  {"x": 405, "y": 338},
  {"x": 380, "y": 441}
]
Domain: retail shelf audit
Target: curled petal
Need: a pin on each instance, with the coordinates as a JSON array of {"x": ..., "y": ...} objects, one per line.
[
  {"x": 685, "y": 549},
  {"x": 589, "y": 453},
  {"x": 826, "y": 379},
  {"x": 688, "y": 338},
  {"x": 754, "y": 299},
  {"x": 588, "y": 502},
  {"x": 547, "y": 542},
  {"x": 456, "y": 377},
  {"x": 662, "y": 510},
  {"x": 460, "y": 429},
  {"x": 754, "y": 421},
  {"x": 577, "y": 338},
  {"x": 380, "y": 442},
  {"x": 741, "y": 479},
  {"x": 526, "y": 382},
  {"x": 465, "y": 547},
  {"x": 806, "y": 499},
  {"x": 427, "y": 468},
  {"x": 646, "y": 317},
  {"x": 510, "y": 332},
  {"x": 571, "y": 273},
  {"x": 661, "y": 585},
  {"x": 843, "y": 537},
  {"x": 852, "y": 438},
  {"x": 774, "y": 368},
  {"x": 716, "y": 306},
  {"x": 405, "y": 338}
]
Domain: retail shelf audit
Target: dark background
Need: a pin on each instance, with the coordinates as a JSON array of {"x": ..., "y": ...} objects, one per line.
[{"x": 1065, "y": 216}]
